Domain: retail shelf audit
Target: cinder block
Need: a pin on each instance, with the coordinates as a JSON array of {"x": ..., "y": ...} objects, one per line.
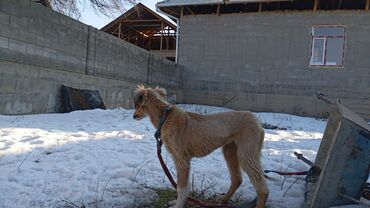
[
  {"x": 10, "y": 32},
  {"x": 7, "y": 86},
  {"x": 15, "y": 7},
  {"x": 50, "y": 53},
  {"x": 56, "y": 64},
  {"x": 34, "y": 49},
  {"x": 34, "y": 60},
  {"x": 28, "y": 37},
  {"x": 9, "y": 55},
  {"x": 36, "y": 29},
  {"x": 43, "y": 41},
  {"x": 37, "y": 9},
  {"x": 18, "y": 22},
  {"x": 4, "y": 19},
  {"x": 10, "y": 7},
  {"x": 4, "y": 42},
  {"x": 18, "y": 46}
]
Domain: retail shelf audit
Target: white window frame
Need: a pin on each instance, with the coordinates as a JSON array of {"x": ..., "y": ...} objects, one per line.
[
  {"x": 312, "y": 63},
  {"x": 325, "y": 37}
]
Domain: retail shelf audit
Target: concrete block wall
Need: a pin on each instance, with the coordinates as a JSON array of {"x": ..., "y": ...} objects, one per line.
[
  {"x": 260, "y": 62},
  {"x": 41, "y": 49}
]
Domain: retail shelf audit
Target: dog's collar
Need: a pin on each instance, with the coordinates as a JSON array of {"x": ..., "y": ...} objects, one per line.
[{"x": 157, "y": 134}]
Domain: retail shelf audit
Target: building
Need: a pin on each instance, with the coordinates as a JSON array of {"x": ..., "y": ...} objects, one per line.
[
  {"x": 274, "y": 55},
  {"x": 143, "y": 27}
]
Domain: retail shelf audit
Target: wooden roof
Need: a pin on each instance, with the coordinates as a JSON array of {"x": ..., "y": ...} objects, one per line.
[
  {"x": 140, "y": 18},
  {"x": 167, "y": 3}
]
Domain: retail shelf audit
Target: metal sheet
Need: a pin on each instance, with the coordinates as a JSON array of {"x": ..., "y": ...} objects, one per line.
[{"x": 188, "y": 2}]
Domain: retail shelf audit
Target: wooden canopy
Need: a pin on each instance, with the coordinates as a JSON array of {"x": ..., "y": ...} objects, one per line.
[
  {"x": 145, "y": 28},
  {"x": 179, "y": 8}
]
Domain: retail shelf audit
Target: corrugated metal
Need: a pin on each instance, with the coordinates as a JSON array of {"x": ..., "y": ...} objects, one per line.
[
  {"x": 252, "y": 1},
  {"x": 187, "y": 2},
  {"x": 168, "y": 3}
]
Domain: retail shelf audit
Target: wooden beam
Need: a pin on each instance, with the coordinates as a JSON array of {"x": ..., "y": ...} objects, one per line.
[
  {"x": 315, "y": 5},
  {"x": 170, "y": 11},
  {"x": 260, "y": 7},
  {"x": 367, "y": 5},
  {"x": 190, "y": 10},
  {"x": 161, "y": 37},
  {"x": 167, "y": 40},
  {"x": 149, "y": 20},
  {"x": 182, "y": 11},
  {"x": 218, "y": 9},
  {"x": 119, "y": 30}
]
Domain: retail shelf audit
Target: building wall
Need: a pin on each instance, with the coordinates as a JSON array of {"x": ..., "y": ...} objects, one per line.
[
  {"x": 260, "y": 61},
  {"x": 41, "y": 49}
]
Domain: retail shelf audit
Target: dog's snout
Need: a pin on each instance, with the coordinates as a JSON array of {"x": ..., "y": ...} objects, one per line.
[{"x": 135, "y": 116}]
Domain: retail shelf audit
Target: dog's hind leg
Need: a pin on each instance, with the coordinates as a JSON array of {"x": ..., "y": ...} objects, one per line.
[
  {"x": 249, "y": 151},
  {"x": 231, "y": 157}
]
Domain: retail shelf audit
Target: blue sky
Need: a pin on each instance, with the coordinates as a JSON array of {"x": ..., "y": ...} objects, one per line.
[{"x": 89, "y": 16}]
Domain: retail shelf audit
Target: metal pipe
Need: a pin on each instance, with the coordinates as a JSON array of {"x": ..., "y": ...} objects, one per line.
[{"x": 303, "y": 158}]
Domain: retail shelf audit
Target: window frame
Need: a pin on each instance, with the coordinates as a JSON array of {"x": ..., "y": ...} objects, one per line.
[{"x": 325, "y": 37}]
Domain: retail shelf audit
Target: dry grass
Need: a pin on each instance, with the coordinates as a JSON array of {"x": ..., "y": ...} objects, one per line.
[{"x": 166, "y": 195}]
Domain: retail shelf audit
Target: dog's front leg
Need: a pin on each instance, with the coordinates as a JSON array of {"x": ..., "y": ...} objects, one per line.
[{"x": 182, "y": 169}]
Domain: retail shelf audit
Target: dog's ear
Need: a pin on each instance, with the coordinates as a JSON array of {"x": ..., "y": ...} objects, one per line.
[
  {"x": 161, "y": 91},
  {"x": 146, "y": 95},
  {"x": 139, "y": 88},
  {"x": 141, "y": 98}
]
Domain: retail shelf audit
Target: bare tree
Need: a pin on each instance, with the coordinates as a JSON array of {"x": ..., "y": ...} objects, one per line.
[{"x": 72, "y": 8}]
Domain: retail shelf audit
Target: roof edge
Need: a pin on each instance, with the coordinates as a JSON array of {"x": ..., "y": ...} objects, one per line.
[
  {"x": 184, "y": 3},
  {"x": 169, "y": 3}
]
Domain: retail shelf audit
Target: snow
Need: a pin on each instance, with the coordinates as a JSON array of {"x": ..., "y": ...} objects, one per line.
[{"x": 105, "y": 158}]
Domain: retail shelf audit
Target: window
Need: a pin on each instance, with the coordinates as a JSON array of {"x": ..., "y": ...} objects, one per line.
[{"x": 327, "y": 46}]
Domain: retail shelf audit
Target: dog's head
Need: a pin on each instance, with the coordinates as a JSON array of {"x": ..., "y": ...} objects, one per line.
[{"x": 144, "y": 97}]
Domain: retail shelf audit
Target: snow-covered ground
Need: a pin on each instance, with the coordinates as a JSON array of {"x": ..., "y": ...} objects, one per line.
[{"x": 105, "y": 158}]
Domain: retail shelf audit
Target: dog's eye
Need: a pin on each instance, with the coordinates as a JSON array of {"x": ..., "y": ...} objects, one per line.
[{"x": 138, "y": 99}]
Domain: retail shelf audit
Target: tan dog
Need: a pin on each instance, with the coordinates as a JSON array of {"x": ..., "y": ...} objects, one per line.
[{"x": 187, "y": 135}]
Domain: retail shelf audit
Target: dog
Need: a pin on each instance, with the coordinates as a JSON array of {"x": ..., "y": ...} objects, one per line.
[{"x": 187, "y": 135}]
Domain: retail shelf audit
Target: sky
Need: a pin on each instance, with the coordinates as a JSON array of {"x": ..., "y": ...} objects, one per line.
[{"x": 90, "y": 17}]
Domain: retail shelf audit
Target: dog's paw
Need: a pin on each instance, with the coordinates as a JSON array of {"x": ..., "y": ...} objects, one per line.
[{"x": 172, "y": 203}]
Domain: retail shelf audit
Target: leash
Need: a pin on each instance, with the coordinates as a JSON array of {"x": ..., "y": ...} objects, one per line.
[
  {"x": 300, "y": 157},
  {"x": 157, "y": 136}
]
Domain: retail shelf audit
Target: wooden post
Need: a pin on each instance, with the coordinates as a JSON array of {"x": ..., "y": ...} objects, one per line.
[
  {"x": 160, "y": 48},
  {"x": 260, "y": 7},
  {"x": 182, "y": 11},
  {"x": 119, "y": 30},
  {"x": 316, "y": 3},
  {"x": 167, "y": 36},
  {"x": 218, "y": 10},
  {"x": 191, "y": 11},
  {"x": 367, "y": 5}
]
